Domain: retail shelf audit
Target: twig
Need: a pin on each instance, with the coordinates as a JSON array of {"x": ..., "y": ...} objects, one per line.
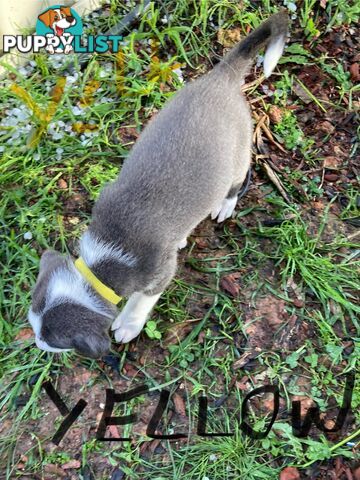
[{"x": 276, "y": 181}]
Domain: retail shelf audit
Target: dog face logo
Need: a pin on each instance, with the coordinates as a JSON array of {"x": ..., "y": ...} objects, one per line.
[
  {"x": 59, "y": 24},
  {"x": 58, "y": 19}
]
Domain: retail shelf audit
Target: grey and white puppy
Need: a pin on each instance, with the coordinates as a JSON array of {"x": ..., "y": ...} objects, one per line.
[{"x": 190, "y": 161}]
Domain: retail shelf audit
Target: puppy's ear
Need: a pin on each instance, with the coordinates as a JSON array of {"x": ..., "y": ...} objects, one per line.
[
  {"x": 47, "y": 17},
  {"x": 92, "y": 345},
  {"x": 50, "y": 260},
  {"x": 66, "y": 11}
]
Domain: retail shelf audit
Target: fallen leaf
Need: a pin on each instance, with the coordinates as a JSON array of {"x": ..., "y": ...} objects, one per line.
[
  {"x": 53, "y": 469},
  {"x": 73, "y": 220},
  {"x": 62, "y": 184},
  {"x": 201, "y": 337},
  {"x": 275, "y": 114},
  {"x": 272, "y": 308},
  {"x": 228, "y": 38},
  {"x": 305, "y": 402},
  {"x": 331, "y": 163},
  {"x": 229, "y": 284},
  {"x": 71, "y": 464},
  {"x": 356, "y": 473},
  {"x": 179, "y": 404},
  {"x": 176, "y": 333},
  {"x": 130, "y": 370},
  {"x": 354, "y": 72},
  {"x": 201, "y": 243},
  {"x": 241, "y": 384},
  {"x": 290, "y": 473},
  {"x": 302, "y": 93},
  {"x": 114, "y": 432},
  {"x": 25, "y": 334},
  {"x": 298, "y": 303},
  {"x": 326, "y": 127}
]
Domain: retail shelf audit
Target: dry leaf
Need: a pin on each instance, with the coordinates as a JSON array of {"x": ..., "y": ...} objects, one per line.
[
  {"x": 357, "y": 474},
  {"x": 25, "y": 334},
  {"x": 275, "y": 114},
  {"x": 53, "y": 469},
  {"x": 71, "y": 464},
  {"x": 354, "y": 72},
  {"x": 179, "y": 404},
  {"x": 62, "y": 184},
  {"x": 290, "y": 473},
  {"x": 113, "y": 430},
  {"x": 306, "y": 403},
  {"x": 228, "y": 38},
  {"x": 331, "y": 163},
  {"x": 326, "y": 127},
  {"x": 229, "y": 284},
  {"x": 176, "y": 333},
  {"x": 302, "y": 93}
]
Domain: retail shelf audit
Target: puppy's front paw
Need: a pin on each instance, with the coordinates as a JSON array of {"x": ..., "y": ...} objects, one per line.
[
  {"x": 127, "y": 332},
  {"x": 127, "y": 327}
]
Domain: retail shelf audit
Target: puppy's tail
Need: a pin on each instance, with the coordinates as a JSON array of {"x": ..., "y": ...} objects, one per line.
[{"x": 272, "y": 34}]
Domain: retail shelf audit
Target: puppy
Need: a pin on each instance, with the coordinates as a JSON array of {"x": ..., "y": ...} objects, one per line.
[
  {"x": 190, "y": 161},
  {"x": 58, "y": 19}
]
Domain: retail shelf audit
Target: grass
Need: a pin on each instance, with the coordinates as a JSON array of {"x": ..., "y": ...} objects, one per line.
[{"x": 49, "y": 181}]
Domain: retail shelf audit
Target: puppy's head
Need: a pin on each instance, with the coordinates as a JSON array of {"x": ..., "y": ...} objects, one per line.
[
  {"x": 58, "y": 19},
  {"x": 66, "y": 313}
]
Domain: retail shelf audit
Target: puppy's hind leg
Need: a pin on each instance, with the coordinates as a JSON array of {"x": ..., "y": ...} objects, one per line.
[
  {"x": 182, "y": 244},
  {"x": 226, "y": 208}
]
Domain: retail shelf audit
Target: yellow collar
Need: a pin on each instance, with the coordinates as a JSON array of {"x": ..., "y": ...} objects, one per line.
[{"x": 102, "y": 289}]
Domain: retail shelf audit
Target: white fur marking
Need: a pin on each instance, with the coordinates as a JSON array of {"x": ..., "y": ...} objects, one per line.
[
  {"x": 35, "y": 321},
  {"x": 224, "y": 210},
  {"x": 182, "y": 244},
  {"x": 273, "y": 54},
  {"x": 93, "y": 250},
  {"x": 70, "y": 285},
  {"x": 133, "y": 317}
]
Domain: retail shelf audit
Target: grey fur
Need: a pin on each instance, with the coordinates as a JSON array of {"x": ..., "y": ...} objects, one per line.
[{"x": 189, "y": 157}]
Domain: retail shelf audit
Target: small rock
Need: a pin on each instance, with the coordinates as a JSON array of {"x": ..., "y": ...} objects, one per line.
[{"x": 331, "y": 177}]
